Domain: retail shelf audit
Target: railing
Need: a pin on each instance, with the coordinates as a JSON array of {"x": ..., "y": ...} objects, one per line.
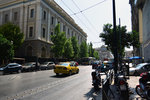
[{"x": 106, "y": 90}]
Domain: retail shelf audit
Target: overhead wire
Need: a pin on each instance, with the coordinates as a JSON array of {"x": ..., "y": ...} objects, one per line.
[
  {"x": 88, "y": 7},
  {"x": 85, "y": 16},
  {"x": 76, "y": 16}
]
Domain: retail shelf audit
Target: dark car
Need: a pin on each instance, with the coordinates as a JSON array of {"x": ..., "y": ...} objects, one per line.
[
  {"x": 47, "y": 65},
  {"x": 95, "y": 64},
  {"x": 11, "y": 67},
  {"x": 30, "y": 66}
]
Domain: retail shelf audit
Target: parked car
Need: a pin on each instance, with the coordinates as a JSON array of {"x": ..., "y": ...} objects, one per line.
[
  {"x": 140, "y": 68},
  {"x": 11, "y": 67},
  {"x": 66, "y": 68},
  {"x": 30, "y": 66},
  {"x": 95, "y": 64},
  {"x": 47, "y": 65}
]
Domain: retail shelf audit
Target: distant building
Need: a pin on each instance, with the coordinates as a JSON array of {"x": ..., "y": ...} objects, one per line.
[
  {"x": 104, "y": 53},
  {"x": 37, "y": 20},
  {"x": 128, "y": 54}
]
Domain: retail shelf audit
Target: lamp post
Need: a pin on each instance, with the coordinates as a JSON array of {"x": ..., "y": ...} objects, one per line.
[{"x": 115, "y": 41}]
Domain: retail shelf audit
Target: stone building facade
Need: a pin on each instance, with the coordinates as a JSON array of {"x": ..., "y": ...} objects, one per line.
[
  {"x": 37, "y": 20},
  {"x": 144, "y": 23}
]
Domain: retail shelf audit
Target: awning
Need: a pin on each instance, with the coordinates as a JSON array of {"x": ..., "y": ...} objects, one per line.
[{"x": 135, "y": 57}]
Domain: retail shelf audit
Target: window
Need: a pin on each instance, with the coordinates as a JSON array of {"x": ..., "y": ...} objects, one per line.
[
  {"x": 52, "y": 33},
  {"x": 30, "y": 31},
  {"x": 43, "y": 32},
  {"x": 72, "y": 33},
  {"x": 64, "y": 28},
  {"x": 32, "y": 13},
  {"x": 68, "y": 32},
  {"x": 52, "y": 20},
  {"x": 15, "y": 16},
  {"x": 44, "y": 16},
  {"x": 6, "y": 18}
]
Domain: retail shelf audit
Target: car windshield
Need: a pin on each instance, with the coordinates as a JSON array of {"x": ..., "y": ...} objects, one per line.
[
  {"x": 140, "y": 65},
  {"x": 64, "y": 64},
  {"x": 45, "y": 63},
  {"x": 27, "y": 64}
]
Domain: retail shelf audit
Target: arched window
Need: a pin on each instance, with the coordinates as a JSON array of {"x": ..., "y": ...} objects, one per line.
[
  {"x": 43, "y": 54},
  {"x": 29, "y": 51}
]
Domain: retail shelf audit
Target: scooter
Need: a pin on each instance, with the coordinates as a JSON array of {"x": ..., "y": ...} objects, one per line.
[
  {"x": 122, "y": 86},
  {"x": 96, "y": 79},
  {"x": 143, "y": 90}
]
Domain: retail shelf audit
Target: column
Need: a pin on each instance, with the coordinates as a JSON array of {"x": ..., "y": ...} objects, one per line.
[
  {"x": 25, "y": 21},
  {"x": 49, "y": 26},
  {"x": 38, "y": 21},
  {"x": 0, "y": 18},
  {"x": 10, "y": 17},
  {"x": 21, "y": 18}
]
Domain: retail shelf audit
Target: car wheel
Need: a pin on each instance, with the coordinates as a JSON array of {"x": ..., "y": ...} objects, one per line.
[
  {"x": 70, "y": 72},
  {"x": 136, "y": 73},
  {"x": 2, "y": 73},
  {"x": 77, "y": 71},
  {"x": 19, "y": 71},
  {"x": 57, "y": 74}
]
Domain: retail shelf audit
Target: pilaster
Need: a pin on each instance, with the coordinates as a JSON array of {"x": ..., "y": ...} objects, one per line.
[{"x": 38, "y": 21}]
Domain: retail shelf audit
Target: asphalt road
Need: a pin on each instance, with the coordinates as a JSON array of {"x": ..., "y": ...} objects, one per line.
[{"x": 45, "y": 85}]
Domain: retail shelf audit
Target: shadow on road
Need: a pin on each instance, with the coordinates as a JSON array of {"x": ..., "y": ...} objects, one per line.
[
  {"x": 59, "y": 76},
  {"x": 93, "y": 94}
]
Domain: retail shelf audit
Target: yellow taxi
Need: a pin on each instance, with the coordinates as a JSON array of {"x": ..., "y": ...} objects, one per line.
[{"x": 66, "y": 68}]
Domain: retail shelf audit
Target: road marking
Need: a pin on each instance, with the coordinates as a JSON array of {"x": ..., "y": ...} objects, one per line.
[{"x": 30, "y": 92}]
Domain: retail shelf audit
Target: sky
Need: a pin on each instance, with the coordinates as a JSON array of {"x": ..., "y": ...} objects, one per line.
[{"x": 92, "y": 18}]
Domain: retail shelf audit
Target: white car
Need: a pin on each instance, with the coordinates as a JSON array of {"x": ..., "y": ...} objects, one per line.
[{"x": 140, "y": 68}]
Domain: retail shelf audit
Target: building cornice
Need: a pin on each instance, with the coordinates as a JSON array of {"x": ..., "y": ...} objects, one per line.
[{"x": 57, "y": 8}]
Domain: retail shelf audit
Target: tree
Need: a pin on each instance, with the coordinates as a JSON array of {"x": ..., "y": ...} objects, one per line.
[
  {"x": 96, "y": 54},
  {"x": 134, "y": 39},
  {"x": 7, "y": 52},
  {"x": 90, "y": 50},
  {"x": 75, "y": 47},
  {"x": 83, "y": 50},
  {"x": 59, "y": 40},
  {"x": 68, "y": 49},
  {"x": 107, "y": 37},
  {"x": 13, "y": 34}
]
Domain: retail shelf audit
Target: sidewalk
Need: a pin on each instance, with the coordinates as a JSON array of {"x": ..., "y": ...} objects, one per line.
[{"x": 133, "y": 81}]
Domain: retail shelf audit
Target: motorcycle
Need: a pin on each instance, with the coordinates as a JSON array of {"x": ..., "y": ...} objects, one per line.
[
  {"x": 96, "y": 79},
  {"x": 143, "y": 90},
  {"x": 122, "y": 85}
]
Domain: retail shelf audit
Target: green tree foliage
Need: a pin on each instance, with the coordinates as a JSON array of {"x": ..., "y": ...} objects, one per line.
[
  {"x": 59, "y": 40},
  {"x": 90, "y": 50},
  {"x": 75, "y": 47},
  {"x": 13, "y": 34},
  {"x": 96, "y": 54},
  {"x": 68, "y": 49},
  {"x": 83, "y": 49},
  {"x": 6, "y": 49},
  {"x": 134, "y": 39},
  {"x": 122, "y": 37}
]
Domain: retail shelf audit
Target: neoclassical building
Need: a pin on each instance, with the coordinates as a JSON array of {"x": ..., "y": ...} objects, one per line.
[{"x": 37, "y": 20}]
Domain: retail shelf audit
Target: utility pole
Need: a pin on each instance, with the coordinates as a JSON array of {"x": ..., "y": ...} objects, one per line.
[{"x": 115, "y": 42}]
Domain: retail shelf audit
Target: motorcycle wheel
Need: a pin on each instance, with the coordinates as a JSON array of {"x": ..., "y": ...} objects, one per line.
[
  {"x": 139, "y": 91},
  {"x": 96, "y": 87}
]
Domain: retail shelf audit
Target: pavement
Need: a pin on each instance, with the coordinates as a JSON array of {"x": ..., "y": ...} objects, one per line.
[{"x": 132, "y": 82}]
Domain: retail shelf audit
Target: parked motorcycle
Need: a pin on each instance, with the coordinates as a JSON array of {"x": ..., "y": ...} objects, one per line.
[
  {"x": 143, "y": 90},
  {"x": 96, "y": 79},
  {"x": 122, "y": 86}
]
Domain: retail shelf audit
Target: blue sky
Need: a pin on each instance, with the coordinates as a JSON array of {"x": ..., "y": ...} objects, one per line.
[{"x": 93, "y": 19}]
